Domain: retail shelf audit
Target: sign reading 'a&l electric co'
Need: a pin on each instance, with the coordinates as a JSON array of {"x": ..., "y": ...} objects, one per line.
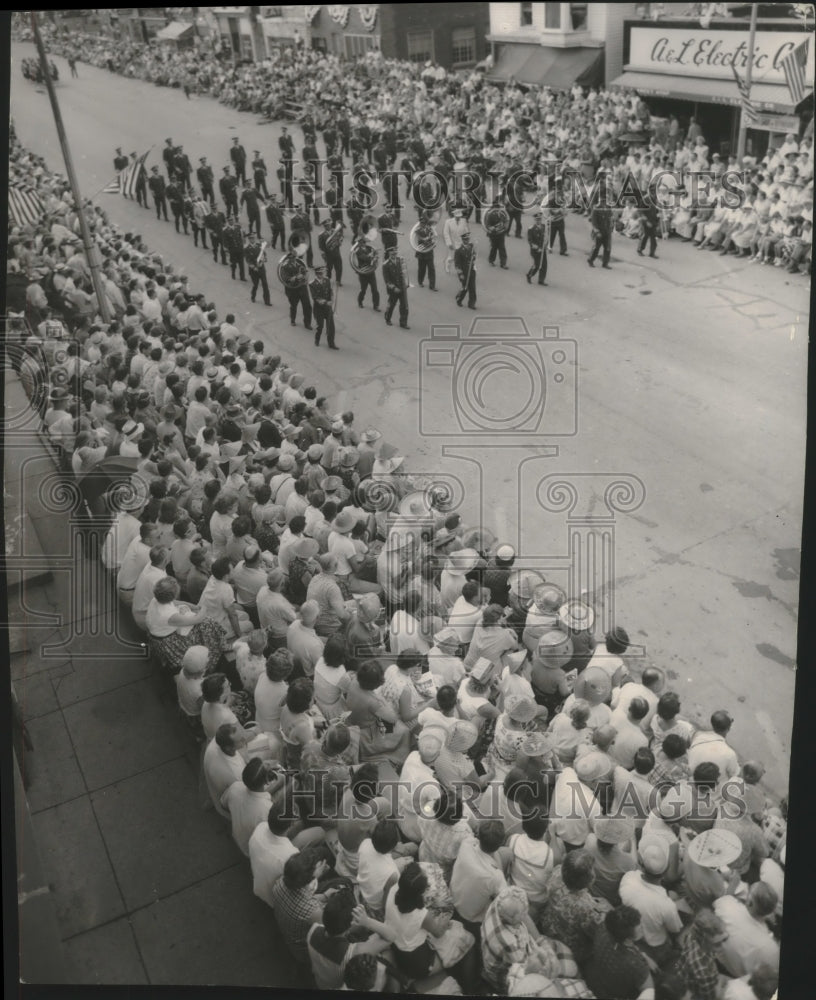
[{"x": 711, "y": 53}]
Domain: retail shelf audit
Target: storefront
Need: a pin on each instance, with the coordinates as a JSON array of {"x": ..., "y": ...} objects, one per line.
[{"x": 683, "y": 69}]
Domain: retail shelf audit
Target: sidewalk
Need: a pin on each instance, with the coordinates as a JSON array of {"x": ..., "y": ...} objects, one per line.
[{"x": 146, "y": 886}]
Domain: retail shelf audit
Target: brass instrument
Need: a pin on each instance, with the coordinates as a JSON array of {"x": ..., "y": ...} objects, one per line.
[
  {"x": 354, "y": 258},
  {"x": 261, "y": 259},
  {"x": 299, "y": 252},
  {"x": 398, "y": 232},
  {"x": 500, "y": 226},
  {"x": 416, "y": 244},
  {"x": 335, "y": 237}
]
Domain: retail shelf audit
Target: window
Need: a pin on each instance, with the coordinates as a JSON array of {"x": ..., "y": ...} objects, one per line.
[
  {"x": 578, "y": 15},
  {"x": 552, "y": 15},
  {"x": 246, "y": 46},
  {"x": 463, "y": 46},
  {"x": 420, "y": 45},
  {"x": 526, "y": 16},
  {"x": 358, "y": 45}
]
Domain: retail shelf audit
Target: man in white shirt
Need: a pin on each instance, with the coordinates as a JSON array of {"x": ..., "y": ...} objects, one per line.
[
  {"x": 248, "y": 802},
  {"x": 121, "y": 533},
  {"x": 650, "y": 686},
  {"x": 573, "y": 805},
  {"x": 223, "y": 764},
  {"x": 302, "y": 641},
  {"x": 712, "y": 746},
  {"x": 750, "y": 942},
  {"x": 659, "y": 916},
  {"x": 466, "y": 612},
  {"x": 134, "y": 561},
  {"x": 443, "y": 662},
  {"x": 197, "y": 412},
  {"x": 155, "y": 570},
  {"x": 269, "y": 847},
  {"x": 188, "y": 681},
  {"x": 629, "y": 736}
]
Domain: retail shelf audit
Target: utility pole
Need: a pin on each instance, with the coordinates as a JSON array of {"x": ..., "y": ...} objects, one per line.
[
  {"x": 748, "y": 75},
  {"x": 87, "y": 239}
]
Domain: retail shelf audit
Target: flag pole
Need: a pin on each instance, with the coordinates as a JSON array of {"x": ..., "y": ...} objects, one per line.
[
  {"x": 743, "y": 131},
  {"x": 88, "y": 243}
]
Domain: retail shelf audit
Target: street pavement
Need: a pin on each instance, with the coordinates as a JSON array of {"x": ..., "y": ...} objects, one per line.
[{"x": 690, "y": 374}]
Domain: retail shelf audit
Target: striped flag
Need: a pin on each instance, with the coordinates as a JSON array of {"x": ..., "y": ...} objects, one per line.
[
  {"x": 25, "y": 207},
  {"x": 749, "y": 115},
  {"x": 793, "y": 66},
  {"x": 115, "y": 185},
  {"x": 127, "y": 179}
]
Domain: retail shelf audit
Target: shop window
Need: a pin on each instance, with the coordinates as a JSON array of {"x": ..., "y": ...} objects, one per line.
[
  {"x": 358, "y": 45},
  {"x": 526, "y": 15},
  {"x": 463, "y": 46},
  {"x": 552, "y": 16},
  {"x": 420, "y": 46},
  {"x": 578, "y": 16}
]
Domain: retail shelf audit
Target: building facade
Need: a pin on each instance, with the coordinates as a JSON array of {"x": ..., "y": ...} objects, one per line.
[
  {"x": 557, "y": 44},
  {"x": 683, "y": 66},
  {"x": 453, "y": 35}
]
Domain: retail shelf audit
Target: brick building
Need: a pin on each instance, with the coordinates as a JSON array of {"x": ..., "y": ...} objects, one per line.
[{"x": 450, "y": 34}]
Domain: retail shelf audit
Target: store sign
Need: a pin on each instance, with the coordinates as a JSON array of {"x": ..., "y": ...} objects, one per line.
[
  {"x": 777, "y": 123},
  {"x": 711, "y": 53}
]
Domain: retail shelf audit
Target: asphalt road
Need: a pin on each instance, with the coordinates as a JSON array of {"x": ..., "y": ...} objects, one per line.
[{"x": 685, "y": 382}]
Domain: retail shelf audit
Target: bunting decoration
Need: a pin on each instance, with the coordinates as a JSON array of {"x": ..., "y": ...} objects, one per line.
[
  {"x": 368, "y": 15},
  {"x": 339, "y": 12},
  {"x": 312, "y": 10}
]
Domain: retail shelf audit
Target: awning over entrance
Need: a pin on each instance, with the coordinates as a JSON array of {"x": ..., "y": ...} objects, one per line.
[
  {"x": 765, "y": 96},
  {"x": 557, "y": 68},
  {"x": 174, "y": 32}
]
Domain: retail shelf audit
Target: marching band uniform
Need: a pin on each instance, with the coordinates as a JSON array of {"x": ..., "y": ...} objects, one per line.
[
  {"x": 206, "y": 181},
  {"x": 390, "y": 183},
  {"x": 228, "y": 186},
  {"x": 285, "y": 179},
  {"x": 294, "y": 277},
  {"x": 395, "y": 285},
  {"x": 259, "y": 173},
  {"x": 329, "y": 245},
  {"x": 249, "y": 197},
  {"x": 464, "y": 259},
  {"x": 168, "y": 155},
  {"x": 497, "y": 223},
  {"x": 389, "y": 240},
  {"x": 256, "y": 259},
  {"x": 198, "y": 220},
  {"x": 355, "y": 210},
  {"x": 158, "y": 188},
  {"x": 301, "y": 224},
  {"x": 234, "y": 243},
  {"x": 239, "y": 158},
  {"x": 182, "y": 166},
  {"x": 425, "y": 236},
  {"x": 274, "y": 216},
  {"x": 366, "y": 254},
  {"x": 321, "y": 290},
  {"x": 141, "y": 183},
  {"x": 602, "y": 221},
  {"x": 537, "y": 238},
  {"x": 176, "y": 201},
  {"x": 558, "y": 218},
  {"x": 333, "y": 197},
  {"x": 311, "y": 157},
  {"x": 215, "y": 224},
  {"x": 334, "y": 164}
]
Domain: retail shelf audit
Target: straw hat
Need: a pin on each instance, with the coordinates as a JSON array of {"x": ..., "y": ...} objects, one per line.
[
  {"x": 714, "y": 848},
  {"x": 344, "y": 522},
  {"x": 522, "y": 709},
  {"x": 370, "y": 435},
  {"x": 576, "y": 615},
  {"x": 461, "y": 561},
  {"x": 348, "y": 457},
  {"x": 613, "y": 829},
  {"x": 548, "y": 598},
  {"x": 536, "y": 745},
  {"x": 523, "y": 583}
]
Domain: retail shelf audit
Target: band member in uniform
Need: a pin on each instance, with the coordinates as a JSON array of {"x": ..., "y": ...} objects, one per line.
[
  {"x": 344, "y": 134},
  {"x": 120, "y": 161},
  {"x": 311, "y": 158},
  {"x": 216, "y": 221},
  {"x": 249, "y": 197},
  {"x": 206, "y": 181},
  {"x": 329, "y": 137},
  {"x": 453, "y": 230},
  {"x": 385, "y": 224},
  {"x": 255, "y": 253},
  {"x": 537, "y": 238},
  {"x": 323, "y": 305},
  {"x": 514, "y": 197},
  {"x": 396, "y": 286},
  {"x": 197, "y": 212},
  {"x": 234, "y": 244},
  {"x": 302, "y": 226},
  {"x": 239, "y": 158},
  {"x": 425, "y": 240},
  {"x": 176, "y": 201},
  {"x": 141, "y": 182},
  {"x": 329, "y": 245},
  {"x": 295, "y": 278},
  {"x": 286, "y": 144},
  {"x": 306, "y": 190},
  {"x": 168, "y": 155},
  {"x": 390, "y": 183},
  {"x": 558, "y": 217},
  {"x": 389, "y": 139},
  {"x": 259, "y": 172},
  {"x": 158, "y": 188},
  {"x": 183, "y": 167},
  {"x": 334, "y": 165},
  {"x": 333, "y": 198},
  {"x": 356, "y": 211},
  {"x": 287, "y": 194},
  {"x": 602, "y": 220},
  {"x": 275, "y": 218},
  {"x": 497, "y": 222},
  {"x": 366, "y": 257},
  {"x": 649, "y": 222},
  {"x": 228, "y": 186},
  {"x": 464, "y": 260}
]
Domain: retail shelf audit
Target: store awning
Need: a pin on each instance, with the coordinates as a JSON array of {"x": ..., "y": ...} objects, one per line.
[
  {"x": 765, "y": 96},
  {"x": 174, "y": 32},
  {"x": 549, "y": 67}
]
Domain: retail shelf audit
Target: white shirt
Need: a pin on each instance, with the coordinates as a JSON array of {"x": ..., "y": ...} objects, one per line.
[
  {"x": 143, "y": 594},
  {"x": 405, "y": 634},
  {"x": 573, "y": 807},
  {"x": 750, "y": 942},
  {"x": 267, "y": 856},
  {"x": 629, "y": 739},
  {"x": 446, "y": 669},
  {"x": 124, "y": 529},
  {"x": 215, "y": 714},
  {"x": 189, "y": 693},
  {"x": 710, "y": 746},
  {"x": 247, "y": 810},
  {"x": 622, "y": 699},
  {"x": 464, "y": 618},
  {"x": 658, "y": 913},
  {"x": 220, "y": 771},
  {"x": 373, "y": 871},
  {"x": 341, "y": 546}
]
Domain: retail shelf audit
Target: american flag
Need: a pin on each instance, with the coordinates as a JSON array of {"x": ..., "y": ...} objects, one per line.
[
  {"x": 25, "y": 207},
  {"x": 793, "y": 66},
  {"x": 126, "y": 180},
  {"x": 749, "y": 115}
]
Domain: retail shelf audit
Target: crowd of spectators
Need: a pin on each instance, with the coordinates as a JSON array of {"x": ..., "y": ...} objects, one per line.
[{"x": 441, "y": 780}]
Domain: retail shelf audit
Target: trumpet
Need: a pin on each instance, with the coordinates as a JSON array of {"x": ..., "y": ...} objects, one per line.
[
  {"x": 421, "y": 246},
  {"x": 398, "y": 232}
]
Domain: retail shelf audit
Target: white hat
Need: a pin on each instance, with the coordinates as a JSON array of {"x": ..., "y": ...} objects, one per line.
[
  {"x": 576, "y": 615},
  {"x": 653, "y": 854},
  {"x": 714, "y": 848}
]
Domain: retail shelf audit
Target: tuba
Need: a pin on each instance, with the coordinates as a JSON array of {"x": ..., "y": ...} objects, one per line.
[
  {"x": 291, "y": 270},
  {"x": 419, "y": 245},
  {"x": 501, "y": 222},
  {"x": 354, "y": 257}
]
